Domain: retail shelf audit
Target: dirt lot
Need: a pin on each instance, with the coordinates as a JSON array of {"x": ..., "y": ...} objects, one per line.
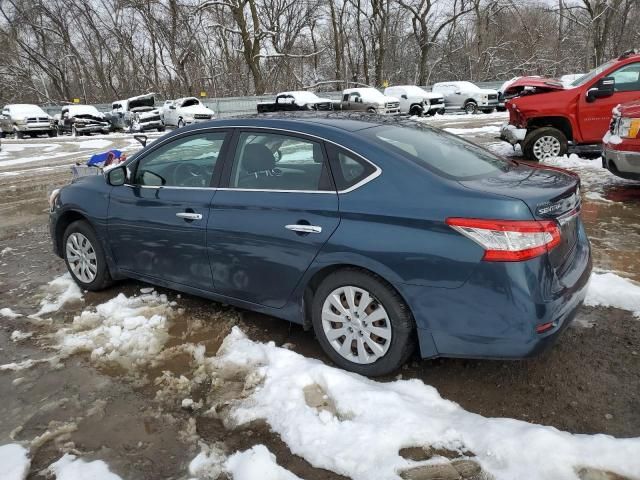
[{"x": 589, "y": 382}]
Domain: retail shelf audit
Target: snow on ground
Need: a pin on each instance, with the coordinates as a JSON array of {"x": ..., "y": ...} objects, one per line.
[
  {"x": 37, "y": 158},
  {"x": 130, "y": 331},
  {"x": 97, "y": 143},
  {"x": 208, "y": 464},
  {"x": 610, "y": 290},
  {"x": 257, "y": 463},
  {"x": 7, "y": 312},
  {"x": 17, "y": 335},
  {"x": 14, "y": 462},
  {"x": 375, "y": 420},
  {"x": 473, "y": 131},
  {"x": 61, "y": 290},
  {"x": 5, "y": 251},
  {"x": 69, "y": 467}
]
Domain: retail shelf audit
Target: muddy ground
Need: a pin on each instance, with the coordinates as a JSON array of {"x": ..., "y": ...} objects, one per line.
[{"x": 589, "y": 382}]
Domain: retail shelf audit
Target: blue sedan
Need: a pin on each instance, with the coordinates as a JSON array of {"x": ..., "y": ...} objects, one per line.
[{"x": 379, "y": 234}]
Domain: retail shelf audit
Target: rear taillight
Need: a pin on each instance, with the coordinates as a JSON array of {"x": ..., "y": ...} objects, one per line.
[{"x": 509, "y": 240}]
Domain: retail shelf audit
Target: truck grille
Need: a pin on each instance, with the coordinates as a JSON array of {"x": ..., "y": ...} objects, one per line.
[
  {"x": 324, "y": 106},
  {"x": 37, "y": 120},
  {"x": 155, "y": 118},
  {"x": 202, "y": 116},
  {"x": 392, "y": 105},
  {"x": 493, "y": 96}
]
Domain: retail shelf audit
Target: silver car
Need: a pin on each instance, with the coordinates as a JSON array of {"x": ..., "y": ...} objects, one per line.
[
  {"x": 20, "y": 119},
  {"x": 467, "y": 97}
]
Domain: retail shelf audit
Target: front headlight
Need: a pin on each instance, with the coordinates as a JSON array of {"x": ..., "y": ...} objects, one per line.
[
  {"x": 629, "y": 127},
  {"x": 53, "y": 199},
  {"x": 20, "y": 121}
]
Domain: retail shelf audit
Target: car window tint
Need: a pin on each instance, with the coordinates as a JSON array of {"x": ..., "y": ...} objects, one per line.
[
  {"x": 627, "y": 78},
  {"x": 185, "y": 162},
  {"x": 266, "y": 161},
  {"x": 439, "y": 151},
  {"x": 348, "y": 169}
]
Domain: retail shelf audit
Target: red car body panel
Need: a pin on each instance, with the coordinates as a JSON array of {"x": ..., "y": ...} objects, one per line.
[
  {"x": 542, "y": 99},
  {"x": 627, "y": 110}
]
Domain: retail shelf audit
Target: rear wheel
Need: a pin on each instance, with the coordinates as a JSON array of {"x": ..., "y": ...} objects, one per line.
[
  {"x": 85, "y": 257},
  {"x": 371, "y": 110},
  {"x": 416, "y": 111},
  {"x": 543, "y": 143},
  {"x": 362, "y": 323},
  {"x": 470, "y": 107}
]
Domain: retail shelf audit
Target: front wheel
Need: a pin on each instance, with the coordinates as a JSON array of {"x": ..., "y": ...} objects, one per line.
[
  {"x": 85, "y": 257},
  {"x": 362, "y": 323},
  {"x": 416, "y": 111},
  {"x": 470, "y": 107},
  {"x": 371, "y": 110},
  {"x": 543, "y": 143}
]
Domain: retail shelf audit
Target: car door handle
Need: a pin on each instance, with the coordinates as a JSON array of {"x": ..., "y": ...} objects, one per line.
[
  {"x": 302, "y": 228},
  {"x": 189, "y": 215}
]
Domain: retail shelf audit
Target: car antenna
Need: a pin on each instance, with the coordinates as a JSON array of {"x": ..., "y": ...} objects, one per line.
[{"x": 142, "y": 139}]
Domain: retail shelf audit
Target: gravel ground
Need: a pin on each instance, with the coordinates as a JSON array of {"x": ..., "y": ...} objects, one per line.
[{"x": 589, "y": 382}]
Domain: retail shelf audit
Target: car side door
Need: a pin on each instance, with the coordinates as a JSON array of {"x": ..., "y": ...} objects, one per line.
[
  {"x": 157, "y": 221},
  {"x": 278, "y": 208},
  {"x": 595, "y": 115}
]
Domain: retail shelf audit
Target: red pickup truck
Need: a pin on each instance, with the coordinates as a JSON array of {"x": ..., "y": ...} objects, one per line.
[
  {"x": 621, "y": 154},
  {"x": 547, "y": 118}
]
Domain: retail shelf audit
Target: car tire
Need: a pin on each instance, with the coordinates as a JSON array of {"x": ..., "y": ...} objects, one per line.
[
  {"x": 501, "y": 109},
  {"x": 52, "y": 133},
  {"x": 395, "y": 321},
  {"x": 371, "y": 110},
  {"x": 416, "y": 111},
  {"x": 2, "y": 134},
  {"x": 543, "y": 143},
  {"x": 89, "y": 266},
  {"x": 490, "y": 110},
  {"x": 180, "y": 123},
  {"x": 470, "y": 107},
  {"x": 161, "y": 129},
  {"x": 442, "y": 111},
  {"x": 18, "y": 134}
]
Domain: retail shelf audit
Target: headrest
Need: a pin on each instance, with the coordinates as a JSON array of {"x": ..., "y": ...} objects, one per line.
[{"x": 257, "y": 158}]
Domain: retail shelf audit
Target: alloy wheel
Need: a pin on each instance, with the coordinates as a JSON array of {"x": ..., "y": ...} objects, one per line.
[
  {"x": 81, "y": 257},
  {"x": 470, "y": 108},
  {"x": 546, "y": 147},
  {"x": 356, "y": 324}
]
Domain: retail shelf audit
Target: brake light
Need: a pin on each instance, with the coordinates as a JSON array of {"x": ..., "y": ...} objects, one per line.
[{"x": 509, "y": 240}]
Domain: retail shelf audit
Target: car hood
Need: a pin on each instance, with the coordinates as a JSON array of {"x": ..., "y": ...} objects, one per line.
[
  {"x": 196, "y": 110},
  {"x": 531, "y": 85},
  {"x": 628, "y": 110},
  {"x": 388, "y": 98},
  {"x": 489, "y": 91},
  {"x": 144, "y": 113}
]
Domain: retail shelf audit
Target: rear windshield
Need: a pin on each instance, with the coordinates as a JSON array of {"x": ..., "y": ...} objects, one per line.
[{"x": 443, "y": 153}]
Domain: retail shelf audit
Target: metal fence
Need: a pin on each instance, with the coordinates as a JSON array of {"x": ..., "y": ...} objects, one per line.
[{"x": 230, "y": 106}]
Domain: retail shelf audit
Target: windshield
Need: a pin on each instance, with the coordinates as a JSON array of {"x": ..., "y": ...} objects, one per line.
[
  {"x": 443, "y": 153},
  {"x": 592, "y": 74},
  {"x": 190, "y": 102},
  {"x": 75, "y": 110}
]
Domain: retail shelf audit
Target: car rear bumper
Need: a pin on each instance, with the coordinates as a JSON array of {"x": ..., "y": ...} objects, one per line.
[
  {"x": 622, "y": 163},
  {"x": 496, "y": 312}
]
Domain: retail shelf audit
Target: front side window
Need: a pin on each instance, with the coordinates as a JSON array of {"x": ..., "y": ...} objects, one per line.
[
  {"x": 269, "y": 161},
  {"x": 627, "y": 78},
  {"x": 441, "y": 152},
  {"x": 185, "y": 162}
]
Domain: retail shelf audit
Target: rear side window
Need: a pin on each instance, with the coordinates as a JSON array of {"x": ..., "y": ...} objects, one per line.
[
  {"x": 348, "y": 169},
  {"x": 443, "y": 153}
]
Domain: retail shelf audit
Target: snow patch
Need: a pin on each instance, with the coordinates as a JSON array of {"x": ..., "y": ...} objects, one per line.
[
  {"x": 69, "y": 467},
  {"x": 472, "y": 131},
  {"x": 14, "y": 462},
  {"x": 257, "y": 463},
  {"x": 62, "y": 290},
  {"x": 96, "y": 143},
  {"x": 611, "y": 290},
  {"x": 363, "y": 439},
  {"x": 130, "y": 331},
  {"x": 7, "y": 312},
  {"x": 207, "y": 465},
  {"x": 17, "y": 335},
  {"x": 5, "y": 251},
  {"x": 611, "y": 138}
]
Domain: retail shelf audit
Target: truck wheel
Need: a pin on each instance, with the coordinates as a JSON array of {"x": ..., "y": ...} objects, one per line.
[
  {"x": 545, "y": 142},
  {"x": 470, "y": 107},
  {"x": 52, "y": 133},
  {"x": 2, "y": 134},
  {"x": 18, "y": 134},
  {"x": 362, "y": 323},
  {"x": 161, "y": 129},
  {"x": 180, "y": 123},
  {"x": 416, "y": 111},
  {"x": 371, "y": 110}
]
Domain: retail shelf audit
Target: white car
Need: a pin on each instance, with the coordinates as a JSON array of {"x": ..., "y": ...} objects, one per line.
[
  {"x": 25, "y": 119},
  {"x": 467, "y": 96},
  {"x": 416, "y": 101},
  {"x": 184, "y": 111}
]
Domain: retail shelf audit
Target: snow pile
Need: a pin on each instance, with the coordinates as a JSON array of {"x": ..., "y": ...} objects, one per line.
[
  {"x": 373, "y": 421},
  {"x": 611, "y": 138},
  {"x": 257, "y": 463},
  {"x": 207, "y": 465},
  {"x": 610, "y": 290},
  {"x": 14, "y": 462},
  {"x": 5, "y": 251},
  {"x": 71, "y": 468},
  {"x": 7, "y": 312},
  {"x": 574, "y": 161},
  {"x": 96, "y": 143},
  {"x": 63, "y": 290},
  {"x": 473, "y": 131},
  {"x": 17, "y": 335},
  {"x": 130, "y": 331}
]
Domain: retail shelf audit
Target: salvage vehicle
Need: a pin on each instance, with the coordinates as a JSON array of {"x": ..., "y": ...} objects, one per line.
[
  {"x": 24, "y": 119},
  {"x": 416, "y": 101},
  {"x": 549, "y": 119},
  {"x": 368, "y": 100},
  {"x": 373, "y": 232},
  {"x": 621, "y": 152},
  {"x": 81, "y": 120},
  {"x": 136, "y": 114},
  {"x": 467, "y": 97},
  {"x": 185, "y": 111},
  {"x": 292, "y": 101}
]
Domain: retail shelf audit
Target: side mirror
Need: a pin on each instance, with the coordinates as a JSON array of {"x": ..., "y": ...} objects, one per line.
[
  {"x": 172, "y": 107},
  {"x": 404, "y": 97},
  {"x": 604, "y": 88},
  {"x": 142, "y": 139},
  {"x": 458, "y": 92},
  {"x": 117, "y": 176}
]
